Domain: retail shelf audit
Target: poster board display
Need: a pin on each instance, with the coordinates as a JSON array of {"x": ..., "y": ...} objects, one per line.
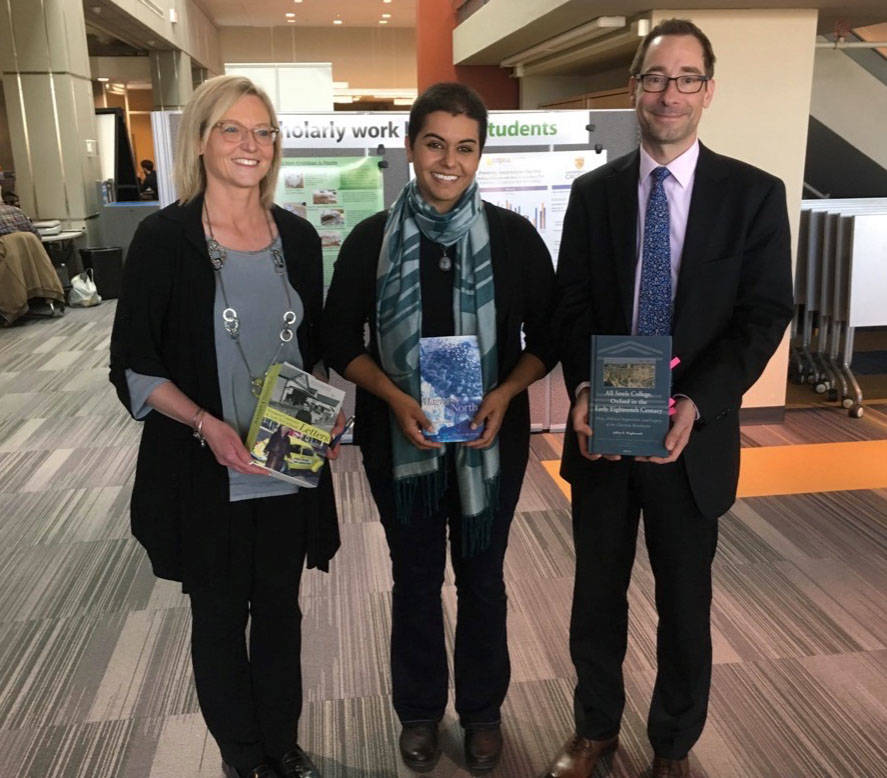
[
  {"x": 333, "y": 193},
  {"x": 536, "y": 185}
]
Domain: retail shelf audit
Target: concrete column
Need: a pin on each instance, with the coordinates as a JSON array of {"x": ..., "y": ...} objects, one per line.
[
  {"x": 49, "y": 106},
  {"x": 760, "y": 114},
  {"x": 171, "y": 79}
]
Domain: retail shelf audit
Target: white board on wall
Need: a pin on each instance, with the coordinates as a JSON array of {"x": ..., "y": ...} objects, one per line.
[
  {"x": 106, "y": 129},
  {"x": 292, "y": 86}
]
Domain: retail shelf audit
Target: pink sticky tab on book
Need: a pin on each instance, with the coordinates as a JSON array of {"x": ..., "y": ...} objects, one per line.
[{"x": 675, "y": 361}]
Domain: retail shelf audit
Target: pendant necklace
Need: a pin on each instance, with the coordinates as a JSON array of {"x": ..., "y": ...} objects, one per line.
[
  {"x": 230, "y": 318},
  {"x": 445, "y": 263}
]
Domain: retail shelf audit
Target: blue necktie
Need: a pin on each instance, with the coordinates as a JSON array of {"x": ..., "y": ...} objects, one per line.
[{"x": 654, "y": 302}]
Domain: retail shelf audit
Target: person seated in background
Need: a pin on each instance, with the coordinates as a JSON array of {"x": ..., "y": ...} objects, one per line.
[
  {"x": 149, "y": 179},
  {"x": 13, "y": 218}
]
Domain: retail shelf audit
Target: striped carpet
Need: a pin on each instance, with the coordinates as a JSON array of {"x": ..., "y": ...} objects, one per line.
[{"x": 95, "y": 679}]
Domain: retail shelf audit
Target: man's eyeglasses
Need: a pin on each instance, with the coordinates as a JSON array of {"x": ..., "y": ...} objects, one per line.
[
  {"x": 656, "y": 82},
  {"x": 235, "y": 132}
]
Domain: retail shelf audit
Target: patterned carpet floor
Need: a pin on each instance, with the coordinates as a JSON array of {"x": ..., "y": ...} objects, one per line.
[{"x": 95, "y": 678}]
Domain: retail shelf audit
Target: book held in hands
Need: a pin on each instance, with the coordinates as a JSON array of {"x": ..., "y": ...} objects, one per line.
[
  {"x": 451, "y": 386},
  {"x": 291, "y": 429},
  {"x": 630, "y": 389}
]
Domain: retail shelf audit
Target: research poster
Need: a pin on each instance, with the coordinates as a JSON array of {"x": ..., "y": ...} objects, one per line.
[
  {"x": 334, "y": 194},
  {"x": 536, "y": 185}
]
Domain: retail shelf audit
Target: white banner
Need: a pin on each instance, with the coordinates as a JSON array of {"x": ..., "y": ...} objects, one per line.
[
  {"x": 342, "y": 130},
  {"x": 536, "y": 128},
  {"x": 368, "y": 130}
]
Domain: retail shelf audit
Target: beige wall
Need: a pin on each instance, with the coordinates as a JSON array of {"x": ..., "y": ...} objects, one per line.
[
  {"x": 764, "y": 76},
  {"x": 542, "y": 90},
  {"x": 851, "y": 102},
  {"x": 194, "y": 33},
  {"x": 121, "y": 68},
  {"x": 6, "y": 160},
  {"x": 365, "y": 57}
]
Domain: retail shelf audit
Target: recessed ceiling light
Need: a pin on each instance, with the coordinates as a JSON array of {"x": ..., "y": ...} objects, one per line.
[
  {"x": 383, "y": 21},
  {"x": 290, "y": 21},
  {"x": 103, "y": 79},
  {"x": 386, "y": 16},
  {"x": 337, "y": 21},
  {"x": 289, "y": 14}
]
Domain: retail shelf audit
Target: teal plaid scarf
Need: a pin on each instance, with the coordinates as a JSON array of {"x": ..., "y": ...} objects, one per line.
[{"x": 420, "y": 474}]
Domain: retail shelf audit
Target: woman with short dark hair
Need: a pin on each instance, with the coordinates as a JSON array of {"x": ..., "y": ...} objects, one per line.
[{"x": 443, "y": 262}]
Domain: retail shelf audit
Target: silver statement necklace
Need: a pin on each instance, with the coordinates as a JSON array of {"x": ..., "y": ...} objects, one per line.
[{"x": 231, "y": 319}]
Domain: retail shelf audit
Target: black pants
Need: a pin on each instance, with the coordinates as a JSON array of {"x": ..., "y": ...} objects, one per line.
[
  {"x": 681, "y": 545},
  {"x": 252, "y": 700},
  {"x": 418, "y": 648}
]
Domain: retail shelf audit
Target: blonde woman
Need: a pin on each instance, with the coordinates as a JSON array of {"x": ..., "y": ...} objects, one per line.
[{"x": 217, "y": 286}]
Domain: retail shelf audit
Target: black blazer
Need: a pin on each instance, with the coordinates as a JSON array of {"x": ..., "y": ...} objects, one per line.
[
  {"x": 164, "y": 327},
  {"x": 523, "y": 278},
  {"x": 733, "y": 301}
]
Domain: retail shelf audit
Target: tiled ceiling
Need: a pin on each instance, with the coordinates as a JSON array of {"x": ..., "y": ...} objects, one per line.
[{"x": 310, "y": 13}]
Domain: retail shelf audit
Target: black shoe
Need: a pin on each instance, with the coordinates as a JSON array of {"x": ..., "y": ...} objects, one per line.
[
  {"x": 261, "y": 770},
  {"x": 296, "y": 764},
  {"x": 483, "y": 748},
  {"x": 419, "y": 748}
]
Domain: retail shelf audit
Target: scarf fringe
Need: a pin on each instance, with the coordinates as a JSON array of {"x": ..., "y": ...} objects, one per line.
[
  {"x": 477, "y": 530},
  {"x": 429, "y": 489}
]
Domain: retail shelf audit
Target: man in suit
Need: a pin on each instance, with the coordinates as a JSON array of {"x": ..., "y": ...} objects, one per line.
[{"x": 670, "y": 239}]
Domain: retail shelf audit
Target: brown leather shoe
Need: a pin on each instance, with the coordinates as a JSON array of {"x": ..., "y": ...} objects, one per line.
[
  {"x": 483, "y": 747},
  {"x": 419, "y": 747},
  {"x": 579, "y": 756},
  {"x": 670, "y": 768}
]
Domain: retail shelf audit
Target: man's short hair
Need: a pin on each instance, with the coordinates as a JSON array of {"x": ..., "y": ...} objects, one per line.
[
  {"x": 147, "y": 164},
  {"x": 675, "y": 27},
  {"x": 453, "y": 98}
]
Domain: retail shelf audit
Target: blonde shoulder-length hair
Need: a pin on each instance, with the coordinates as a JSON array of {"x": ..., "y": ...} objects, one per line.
[{"x": 207, "y": 106}]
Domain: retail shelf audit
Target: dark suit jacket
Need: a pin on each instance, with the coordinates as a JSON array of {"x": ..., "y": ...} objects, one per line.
[
  {"x": 164, "y": 327},
  {"x": 525, "y": 291},
  {"x": 733, "y": 300}
]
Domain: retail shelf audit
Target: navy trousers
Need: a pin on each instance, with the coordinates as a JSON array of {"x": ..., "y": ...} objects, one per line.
[
  {"x": 681, "y": 545},
  {"x": 418, "y": 645}
]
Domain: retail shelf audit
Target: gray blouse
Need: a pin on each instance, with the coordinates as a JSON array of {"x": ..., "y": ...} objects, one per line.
[{"x": 258, "y": 292}]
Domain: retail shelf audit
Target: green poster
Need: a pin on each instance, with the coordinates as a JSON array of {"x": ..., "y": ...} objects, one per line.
[{"x": 334, "y": 194}]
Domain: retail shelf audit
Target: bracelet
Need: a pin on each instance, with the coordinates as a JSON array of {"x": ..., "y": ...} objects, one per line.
[{"x": 197, "y": 425}]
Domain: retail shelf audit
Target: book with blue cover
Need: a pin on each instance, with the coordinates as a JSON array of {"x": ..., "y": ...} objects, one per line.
[
  {"x": 630, "y": 390},
  {"x": 451, "y": 386}
]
